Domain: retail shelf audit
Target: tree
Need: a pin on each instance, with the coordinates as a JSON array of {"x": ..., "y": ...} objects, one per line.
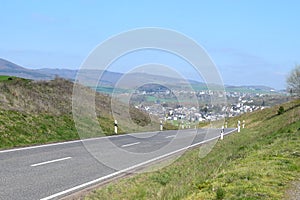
[{"x": 293, "y": 81}]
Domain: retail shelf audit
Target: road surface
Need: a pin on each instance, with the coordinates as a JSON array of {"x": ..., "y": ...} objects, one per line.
[{"x": 56, "y": 170}]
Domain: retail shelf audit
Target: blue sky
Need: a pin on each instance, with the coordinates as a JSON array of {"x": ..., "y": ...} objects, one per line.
[{"x": 252, "y": 42}]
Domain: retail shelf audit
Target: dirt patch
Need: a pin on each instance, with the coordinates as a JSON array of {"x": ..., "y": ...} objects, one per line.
[{"x": 294, "y": 192}]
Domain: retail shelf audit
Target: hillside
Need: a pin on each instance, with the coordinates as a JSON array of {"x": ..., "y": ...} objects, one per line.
[
  {"x": 109, "y": 79},
  {"x": 11, "y": 69},
  {"x": 35, "y": 112},
  {"x": 260, "y": 162}
]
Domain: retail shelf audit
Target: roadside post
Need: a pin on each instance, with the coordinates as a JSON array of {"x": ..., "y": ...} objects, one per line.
[
  {"x": 161, "y": 125},
  {"x": 226, "y": 124},
  {"x": 244, "y": 124},
  {"x": 239, "y": 126},
  {"x": 116, "y": 127},
  {"x": 222, "y": 133}
]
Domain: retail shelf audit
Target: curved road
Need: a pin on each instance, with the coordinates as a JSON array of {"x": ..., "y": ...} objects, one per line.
[{"x": 56, "y": 170}]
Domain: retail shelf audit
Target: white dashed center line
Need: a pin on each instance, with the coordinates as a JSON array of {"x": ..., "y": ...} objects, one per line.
[
  {"x": 131, "y": 144},
  {"x": 51, "y": 161},
  {"x": 171, "y": 136}
]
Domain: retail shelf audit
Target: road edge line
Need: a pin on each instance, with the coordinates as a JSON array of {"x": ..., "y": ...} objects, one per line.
[{"x": 128, "y": 169}]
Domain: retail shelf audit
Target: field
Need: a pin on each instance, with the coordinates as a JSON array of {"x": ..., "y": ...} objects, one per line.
[{"x": 4, "y": 78}]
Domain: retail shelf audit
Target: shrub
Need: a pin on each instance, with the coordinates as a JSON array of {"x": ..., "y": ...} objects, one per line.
[
  {"x": 220, "y": 193},
  {"x": 280, "y": 110}
]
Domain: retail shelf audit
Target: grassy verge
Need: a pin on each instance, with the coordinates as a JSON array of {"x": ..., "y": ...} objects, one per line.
[
  {"x": 18, "y": 129},
  {"x": 39, "y": 112},
  {"x": 23, "y": 129},
  {"x": 258, "y": 163}
]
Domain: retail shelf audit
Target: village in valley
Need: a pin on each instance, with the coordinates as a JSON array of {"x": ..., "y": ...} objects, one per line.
[{"x": 164, "y": 104}]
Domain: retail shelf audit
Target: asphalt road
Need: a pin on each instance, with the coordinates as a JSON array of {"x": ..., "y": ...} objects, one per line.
[{"x": 56, "y": 170}]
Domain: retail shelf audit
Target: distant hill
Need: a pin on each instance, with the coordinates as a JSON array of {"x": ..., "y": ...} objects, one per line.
[
  {"x": 251, "y": 89},
  {"x": 64, "y": 73},
  {"x": 10, "y": 69},
  {"x": 6, "y": 65},
  {"x": 110, "y": 79}
]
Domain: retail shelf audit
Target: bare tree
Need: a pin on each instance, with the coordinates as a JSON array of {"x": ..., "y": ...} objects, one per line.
[{"x": 293, "y": 81}]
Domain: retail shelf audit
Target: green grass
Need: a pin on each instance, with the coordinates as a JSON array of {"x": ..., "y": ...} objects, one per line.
[
  {"x": 20, "y": 129},
  {"x": 257, "y": 163},
  {"x": 23, "y": 129},
  {"x": 38, "y": 112},
  {"x": 4, "y": 78}
]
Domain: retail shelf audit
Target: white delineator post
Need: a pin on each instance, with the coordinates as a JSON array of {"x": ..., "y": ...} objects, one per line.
[
  {"x": 239, "y": 126},
  {"x": 116, "y": 127},
  {"x": 244, "y": 124},
  {"x": 222, "y": 133},
  {"x": 226, "y": 124},
  {"x": 161, "y": 125}
]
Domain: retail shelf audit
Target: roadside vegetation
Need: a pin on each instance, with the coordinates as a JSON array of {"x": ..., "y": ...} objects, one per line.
[
  {"x": 260, "y": 162},
  {"x": 38, "y": 112}
]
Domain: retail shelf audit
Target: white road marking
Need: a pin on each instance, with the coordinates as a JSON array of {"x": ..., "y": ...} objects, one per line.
[
  {"x": 171, "y": 136},
  {"x": 126, "y": 170},
  {"x": 51, "y": 161},
  {"x": 131, "y": 144},
  {"x": 60, "y": 143},
  {"x": 70, "y": 142}
]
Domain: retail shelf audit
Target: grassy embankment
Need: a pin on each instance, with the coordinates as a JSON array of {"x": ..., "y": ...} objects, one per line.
[
  {"x": 40, "y": 112},
  {"x": 258, "y": 163}
]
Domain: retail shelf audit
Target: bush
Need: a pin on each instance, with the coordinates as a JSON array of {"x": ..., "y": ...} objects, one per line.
[
  {"x": 280, "y": 110},
  {"x": 220, "y": 194},
  {"x": 162, "y": 178}
]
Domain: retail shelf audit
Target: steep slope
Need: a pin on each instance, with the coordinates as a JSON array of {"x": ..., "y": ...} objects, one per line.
[{"x": 34, "y": 112}]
